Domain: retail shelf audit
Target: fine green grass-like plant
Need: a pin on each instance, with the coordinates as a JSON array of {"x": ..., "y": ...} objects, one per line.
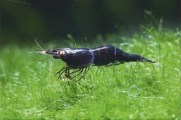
[{"x": 30, "y": 90}]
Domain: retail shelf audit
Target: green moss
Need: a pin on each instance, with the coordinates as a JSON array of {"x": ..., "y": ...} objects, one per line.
[{"x": 30, "y": 90}]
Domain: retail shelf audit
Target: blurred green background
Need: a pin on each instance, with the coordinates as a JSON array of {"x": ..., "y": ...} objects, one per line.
[{"x": 53, "y": 20}]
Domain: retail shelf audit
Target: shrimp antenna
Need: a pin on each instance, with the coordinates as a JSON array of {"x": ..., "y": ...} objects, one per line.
[{"x": 36, "y": 42}]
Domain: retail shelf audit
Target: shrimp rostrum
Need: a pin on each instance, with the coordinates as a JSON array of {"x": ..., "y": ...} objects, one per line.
[{"x": 79, "y": 60}]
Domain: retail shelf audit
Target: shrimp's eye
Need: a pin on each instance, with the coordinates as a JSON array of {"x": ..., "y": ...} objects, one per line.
[{"x": 61, "y": 53}]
